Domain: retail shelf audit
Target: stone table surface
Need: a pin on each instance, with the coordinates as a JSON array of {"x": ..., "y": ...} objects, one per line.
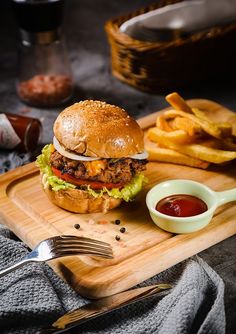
[{"x": 90, "y": 58}]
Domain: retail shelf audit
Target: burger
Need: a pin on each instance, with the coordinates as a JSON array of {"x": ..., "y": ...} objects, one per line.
[{"x": 96, "y": 160}]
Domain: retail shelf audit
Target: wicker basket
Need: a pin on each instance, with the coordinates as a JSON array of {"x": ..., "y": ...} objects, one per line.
[{"x": 161, "y": 67}]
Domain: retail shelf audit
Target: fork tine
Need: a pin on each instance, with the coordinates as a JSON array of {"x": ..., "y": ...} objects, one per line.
[
  {"x": 71, "y": 245},
  {"x": 83, "y": 249},
  {"x": 83, "y": 252},
  {"x": 63, "y": 238},
  {"x": 75, "y": 243},
  {"x": 59, "y": 246}
]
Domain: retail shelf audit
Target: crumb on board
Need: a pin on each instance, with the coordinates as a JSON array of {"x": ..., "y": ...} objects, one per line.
[
  {"x": 102, "y": 222},
  {"x": 91, "y": 222},
  {"x": 122, "y": 244},
  {"x": 100, "y": 231}
]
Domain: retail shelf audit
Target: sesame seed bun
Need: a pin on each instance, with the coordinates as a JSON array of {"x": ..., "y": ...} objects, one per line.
[{"x": 98, "y": 129}]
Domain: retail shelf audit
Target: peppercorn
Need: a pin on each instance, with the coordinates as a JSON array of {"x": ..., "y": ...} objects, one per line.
[
  {"x": 117, "y": 221},
  {"x": 117, "y": 237},
  {"x": 122, "y": 230},
  {"x": 77, "y": 226}
]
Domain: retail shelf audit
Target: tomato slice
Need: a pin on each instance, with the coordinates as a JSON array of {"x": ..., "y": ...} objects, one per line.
[{"x": 96, "y": 185}]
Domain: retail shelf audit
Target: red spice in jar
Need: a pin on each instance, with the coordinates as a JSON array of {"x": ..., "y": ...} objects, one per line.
[{"x": 45, "y": 90}]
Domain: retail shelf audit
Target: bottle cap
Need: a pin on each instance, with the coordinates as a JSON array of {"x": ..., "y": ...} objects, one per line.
[{"x": 34, "y": 16}]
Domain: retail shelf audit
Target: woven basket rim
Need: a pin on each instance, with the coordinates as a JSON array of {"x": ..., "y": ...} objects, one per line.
[{"x": 115, "y": 35}]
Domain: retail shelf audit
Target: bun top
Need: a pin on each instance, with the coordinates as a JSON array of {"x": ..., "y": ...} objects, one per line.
[{"x": 98, "y": 129}]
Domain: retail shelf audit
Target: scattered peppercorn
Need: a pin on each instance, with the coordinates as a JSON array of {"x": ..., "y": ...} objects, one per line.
[
  {"x": 122, "y": 230},
  {"x": 117, "y": 221},
  {"x": 77, "y": 226},
  {"x": 117, "y": 237}
]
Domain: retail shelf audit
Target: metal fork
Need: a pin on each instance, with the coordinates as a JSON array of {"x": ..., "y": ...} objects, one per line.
[{"x": 64, "y": 245}]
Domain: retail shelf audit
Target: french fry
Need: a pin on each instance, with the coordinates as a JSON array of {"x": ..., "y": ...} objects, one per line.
[
  {"x": 186, "y": 136},
  {"x": 211, "y": 142},
  {"x": 221, "y": 144},
  {"x": 178, "y": 103},
  {"x": 204, "y": 153},
  {"x": 229, "y": 143},
  {"x": 188, "y": 125},
  {"x": 198, "y": 151},
  {"x": 199, "y": 113},
  {"x": 225, "y": 127},
  {"x": 171, "y": 156},
  {"x": 176, "y": 136},
  {"x": 208, "y": 126},
  {"x": 163, "y": 124},
  {"x": 207, "y": 153}
]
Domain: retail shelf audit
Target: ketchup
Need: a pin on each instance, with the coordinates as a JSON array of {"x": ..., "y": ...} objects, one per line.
[{"x": 181, "y": 205}]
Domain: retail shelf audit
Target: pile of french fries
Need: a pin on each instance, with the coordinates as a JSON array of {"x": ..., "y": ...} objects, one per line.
[{"x": 186, "y": 136}]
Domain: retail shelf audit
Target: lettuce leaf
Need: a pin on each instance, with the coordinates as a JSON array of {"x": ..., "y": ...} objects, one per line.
[
  {"x": 43, "y": 159},
  {"x": 42, "y": 162},
  {"x": 127, "y": 193}
]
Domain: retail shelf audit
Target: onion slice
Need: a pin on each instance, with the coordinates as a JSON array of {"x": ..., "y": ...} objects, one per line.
[
  {"x": 74, "y": 156},
  {"x": 70, "y": 155},
  {"x": 140, "y": 156}
]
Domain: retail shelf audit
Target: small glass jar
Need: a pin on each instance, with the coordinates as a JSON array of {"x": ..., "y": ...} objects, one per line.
[
  {"x": 44, "y": 78},
  {"x": 19, "y": 132}
]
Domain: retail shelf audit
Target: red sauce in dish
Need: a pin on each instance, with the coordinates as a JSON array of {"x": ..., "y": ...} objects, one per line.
[{"x": 181, "y": 205}]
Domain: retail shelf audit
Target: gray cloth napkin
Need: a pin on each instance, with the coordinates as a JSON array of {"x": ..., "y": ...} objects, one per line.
[
  {"x": 33, "y": 296},
  {"x": 11, "y": 160}
]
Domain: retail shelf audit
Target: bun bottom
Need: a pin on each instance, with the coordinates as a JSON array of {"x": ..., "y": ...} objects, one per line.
[{"x": 80, "y": 201}]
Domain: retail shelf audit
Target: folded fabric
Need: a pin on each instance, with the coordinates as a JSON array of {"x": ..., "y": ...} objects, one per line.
[
  {"x": 33, "y": 297},
  {"x": 11, "y": 160}
]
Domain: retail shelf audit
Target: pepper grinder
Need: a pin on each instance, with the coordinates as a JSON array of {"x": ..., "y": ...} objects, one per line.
[{"x": 44, "y": 78}]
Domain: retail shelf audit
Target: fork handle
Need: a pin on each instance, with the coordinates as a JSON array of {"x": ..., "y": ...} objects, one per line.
[{"x": 14, "y": 266}]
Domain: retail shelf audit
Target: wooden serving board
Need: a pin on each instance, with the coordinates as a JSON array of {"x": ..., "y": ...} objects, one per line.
[{"x": 143, "y": 250}]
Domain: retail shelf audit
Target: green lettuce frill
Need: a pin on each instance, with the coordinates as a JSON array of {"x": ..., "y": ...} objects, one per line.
[{"x": 127, "y": 193}]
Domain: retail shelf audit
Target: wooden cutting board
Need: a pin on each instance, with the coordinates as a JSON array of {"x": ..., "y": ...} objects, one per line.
[{"x": 143, "y": 250}]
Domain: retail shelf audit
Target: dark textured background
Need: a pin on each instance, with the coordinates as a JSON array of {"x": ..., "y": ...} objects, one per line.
[{"x": 90, "y": 58}]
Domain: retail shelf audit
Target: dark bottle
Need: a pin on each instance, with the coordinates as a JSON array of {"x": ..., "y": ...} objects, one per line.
[
  {"x": 44, "y": 78},
  {"x": 19, "y": 132}
]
